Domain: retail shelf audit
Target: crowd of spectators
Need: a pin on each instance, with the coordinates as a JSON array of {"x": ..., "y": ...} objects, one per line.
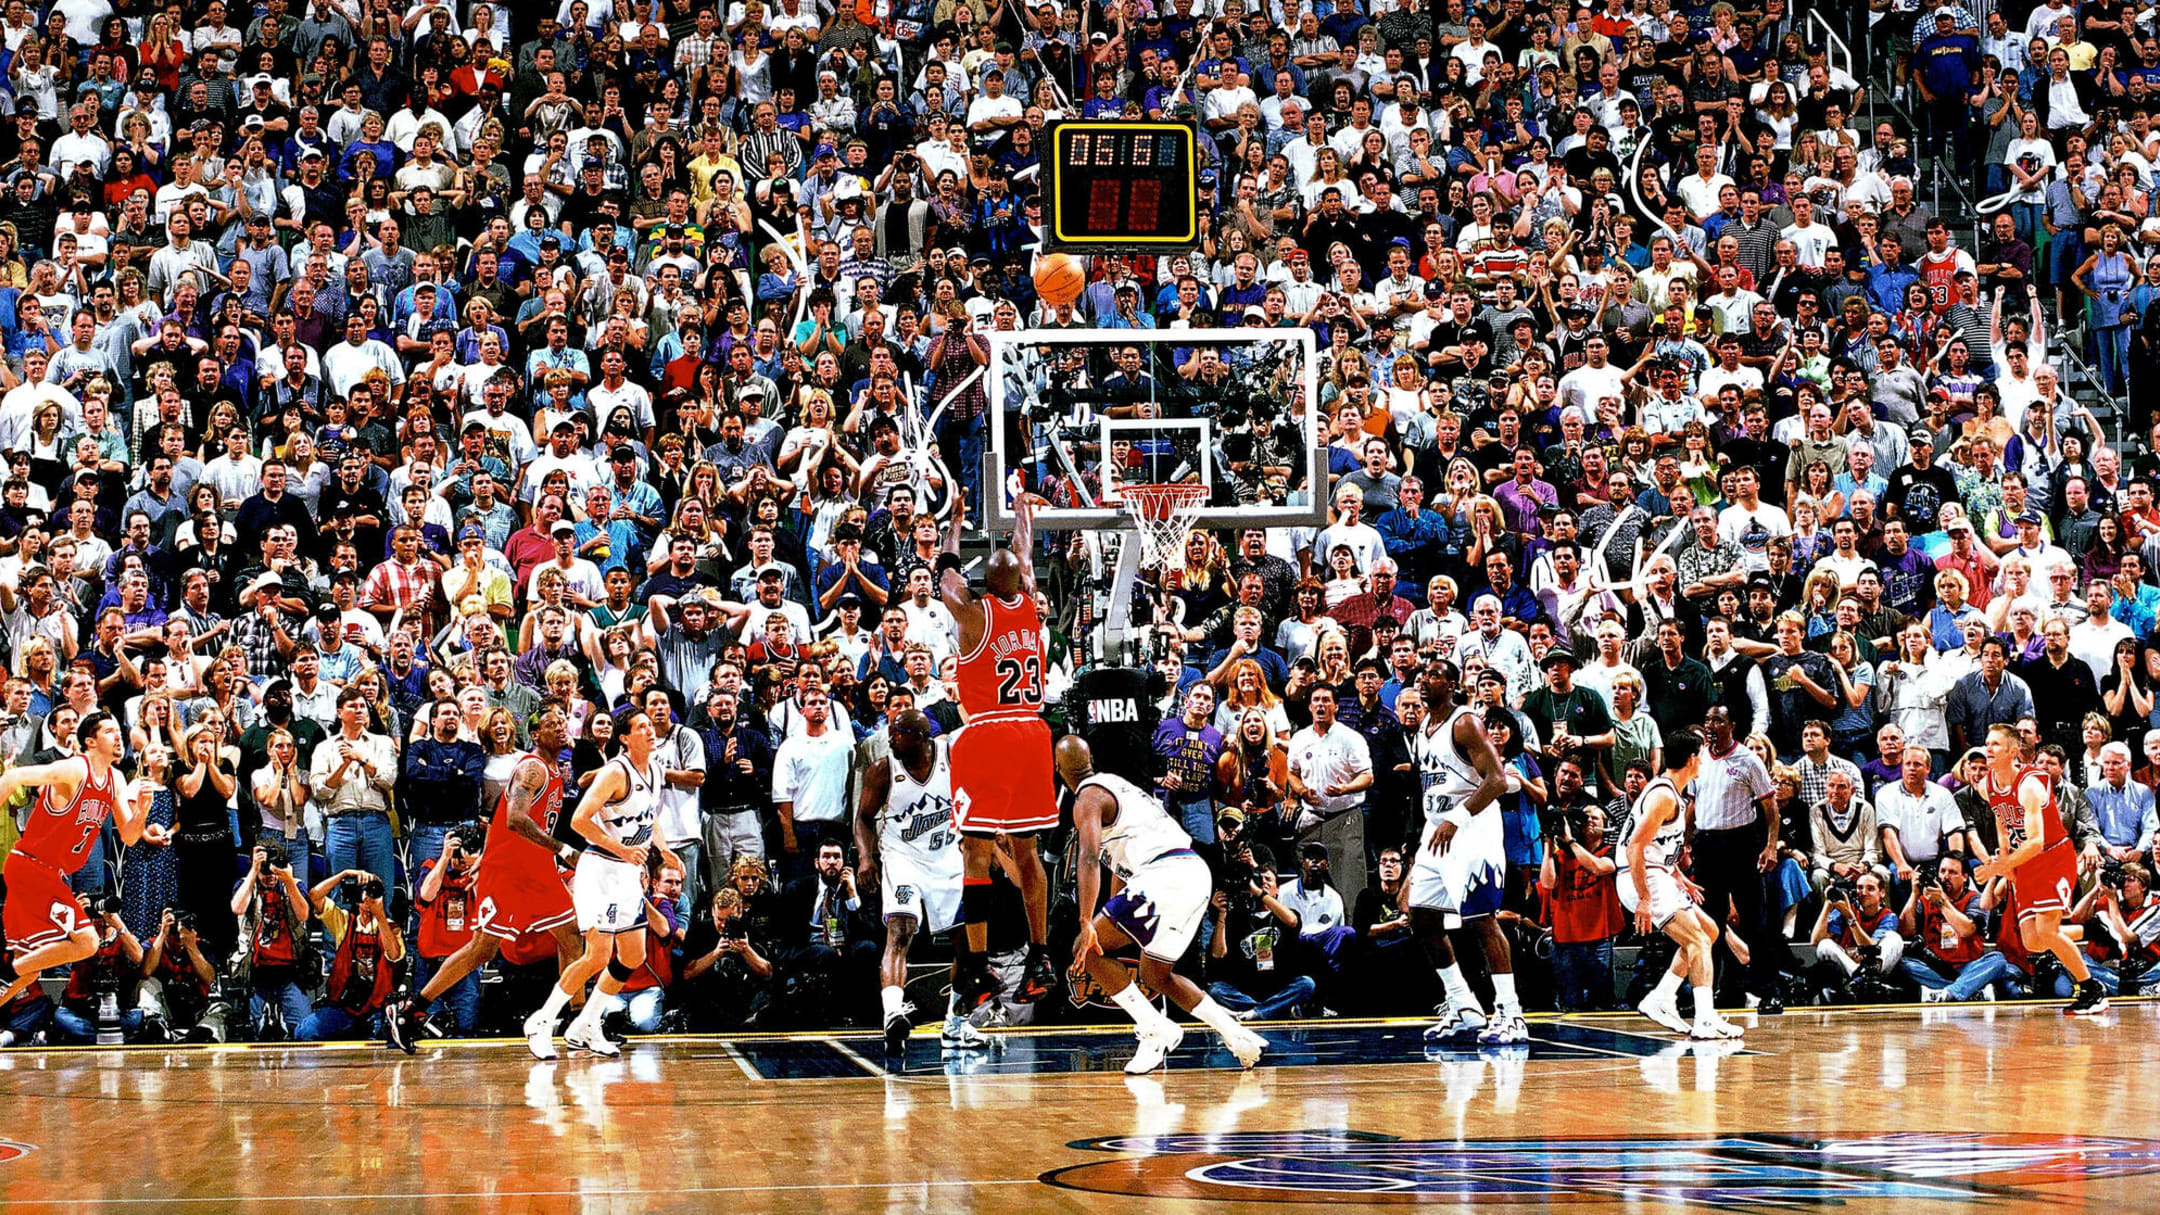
[{"x": 379, "y": 376}]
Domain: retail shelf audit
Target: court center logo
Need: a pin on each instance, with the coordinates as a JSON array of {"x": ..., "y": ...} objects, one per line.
[
  {"x": 11, "y": 1151},
  {"x": 1729, "y": 1172}
]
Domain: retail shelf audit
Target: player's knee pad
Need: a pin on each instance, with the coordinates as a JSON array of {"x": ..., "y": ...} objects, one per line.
[
  {"x": 619, "y": 972},
  {"x": 975, "y": 901}
]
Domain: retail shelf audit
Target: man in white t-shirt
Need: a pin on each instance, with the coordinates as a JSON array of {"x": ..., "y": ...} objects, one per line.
[
  {"x": 1330, "y": 771},
  {"x": 1366, "y": 546},
  {"x": 1810, "y": 240}
]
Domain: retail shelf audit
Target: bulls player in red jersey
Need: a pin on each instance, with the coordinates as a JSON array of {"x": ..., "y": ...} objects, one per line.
[
  {"x": 518, "y": 888},
  {"x": 45, "y": 925},
  {"x": 2038, "y": 859},
  {"x": 1000, "y": 759}
]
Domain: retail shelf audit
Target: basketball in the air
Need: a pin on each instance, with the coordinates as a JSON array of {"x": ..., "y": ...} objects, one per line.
[{"x": 1059, "y": 278}]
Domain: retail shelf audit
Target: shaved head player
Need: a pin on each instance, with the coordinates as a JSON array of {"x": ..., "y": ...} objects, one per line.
[
  {"x": 1158, "y": 894},
  {"x": 1000, "y": 759}
]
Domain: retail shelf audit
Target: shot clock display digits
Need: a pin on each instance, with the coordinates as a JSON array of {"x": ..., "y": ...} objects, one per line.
[{"x": 1117, "y": 184}]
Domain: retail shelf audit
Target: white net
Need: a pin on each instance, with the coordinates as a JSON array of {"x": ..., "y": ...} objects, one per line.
[{"x": 1162, "y": 516}]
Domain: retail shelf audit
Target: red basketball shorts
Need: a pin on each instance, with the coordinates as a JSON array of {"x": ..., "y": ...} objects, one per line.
[
  {"x": 518, "y": 901},
  {"x": 2048, "y": 882},
  {"x": 1001, "y": 777},
  {"x": 41, "y": 909}
]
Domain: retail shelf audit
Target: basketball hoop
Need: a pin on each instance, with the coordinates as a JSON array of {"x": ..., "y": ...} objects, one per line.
[{"x": 1162, "y": 515}]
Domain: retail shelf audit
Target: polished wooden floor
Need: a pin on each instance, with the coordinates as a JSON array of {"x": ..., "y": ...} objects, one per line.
[{"x": 2005, "y": 1107}]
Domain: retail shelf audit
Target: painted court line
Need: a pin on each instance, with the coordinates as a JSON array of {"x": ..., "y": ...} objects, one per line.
[
  {"x": 735, "y": 1052},
  {"x": 849, "y": 1052}
]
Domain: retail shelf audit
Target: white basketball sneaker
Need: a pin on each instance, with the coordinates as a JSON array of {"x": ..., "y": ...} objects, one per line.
[
  {"x": 1454, "y": 1024},
  {"x": 540, "y": 1035},
  {"x": 1664, "y": 1011},
  {"x": 1247, "y": 1046},
  {"x": 1155, "y": 1050},
  {"x": 1506, "y": 1029}
]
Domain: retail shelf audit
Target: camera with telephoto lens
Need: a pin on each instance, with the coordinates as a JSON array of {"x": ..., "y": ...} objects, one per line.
[
  {"x": 1928, "y": 876},
  {"x": 1563, "y": 825},
  {"x": 356, "y": 889},
  {"x": 183, "y": 919},
  {"x": 101, "y": 903},
  {"x": 274, "y": 855},
  {"x": 735, "y": 930},
  {"x": 2111, "y": 874}
]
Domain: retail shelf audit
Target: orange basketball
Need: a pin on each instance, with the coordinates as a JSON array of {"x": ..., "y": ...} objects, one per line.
[{"x": 1059, "y": 278}]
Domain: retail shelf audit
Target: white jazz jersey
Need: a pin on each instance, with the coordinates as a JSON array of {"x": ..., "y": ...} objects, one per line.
[
  {"x": 1473, "y": 871},
  {"x": 1661, "y": 859},
  {"x": 1143, "y": 830},
  {"x": 919, "y": 865},
  {"x": 608, "y": 892},
  {"x": 1166, "y": 890}
]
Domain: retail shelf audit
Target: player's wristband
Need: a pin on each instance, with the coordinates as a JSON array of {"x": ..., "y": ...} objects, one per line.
[
  {"x": 947, "y": 561},
  {"x": 566, "y": 854}
]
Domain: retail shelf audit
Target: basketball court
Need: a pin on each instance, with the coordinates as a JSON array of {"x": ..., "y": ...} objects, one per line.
[{"x": 1872, "y": 1110}]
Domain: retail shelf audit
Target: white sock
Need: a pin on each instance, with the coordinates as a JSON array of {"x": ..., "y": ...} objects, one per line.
[
  {"x": 1459, "y": 996},
  {"x": 1705, "y": 1008},
  {"x": 1217, "y": 1018},
  {"x": 1136, "y": 1005},
  {"x": 551, "y": 1009},
  {"x": 1503, "y": 994},
  {"x": 952, "y": 1008},
  {"x": 894, "y": 999},
  {"x": 1668, "y": 987}
]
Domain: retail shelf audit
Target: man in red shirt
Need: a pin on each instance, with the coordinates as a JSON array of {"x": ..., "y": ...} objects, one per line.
[
  {"x": 1583, "y": 901},
  {"x": 447, "y": 921}
]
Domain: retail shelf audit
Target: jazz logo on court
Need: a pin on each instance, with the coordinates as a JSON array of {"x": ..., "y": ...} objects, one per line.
[{"x": 1730, "y": 1172}]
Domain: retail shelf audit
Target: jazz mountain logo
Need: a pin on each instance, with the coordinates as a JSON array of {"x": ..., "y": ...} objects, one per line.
[{"x": 1729, "y": 1172}]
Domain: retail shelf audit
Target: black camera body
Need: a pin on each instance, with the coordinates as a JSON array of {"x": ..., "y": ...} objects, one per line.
[
  {"x": 2111, "y": 874},
  {"x": 274, "y": 854},
  {"x": 101, "y": 903},
  {"x": 355, "y": 889},
  {"x": 184, "y": 919},
  {"x": 1563, "y": 825},
  {"x": 469, "y": 838}
]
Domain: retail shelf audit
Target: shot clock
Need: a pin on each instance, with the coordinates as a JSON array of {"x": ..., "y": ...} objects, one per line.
[{"x": 1112, "y": 184}]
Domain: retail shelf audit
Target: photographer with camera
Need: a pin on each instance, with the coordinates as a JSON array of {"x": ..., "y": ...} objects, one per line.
[
  {"x": 364, "y": 969},
  {"x": 1250, "y": 970},
  {"x": 177, "y": 978},
  {"x": 1582, "y": 895},
  {"x": 448, "y": 914},
  {"x": 1856, "y": 927},
  {"x": 97, "y": 1003},
  {"x": 273, "y": 911},
  {"x": 2131, "y": 915},
  {"x": 728, "y": 982},
  {"x": 1945, "y": 918}
]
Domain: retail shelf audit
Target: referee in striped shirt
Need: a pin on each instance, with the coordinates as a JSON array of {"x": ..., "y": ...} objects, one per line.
[{"x": 1735, "y": 845}]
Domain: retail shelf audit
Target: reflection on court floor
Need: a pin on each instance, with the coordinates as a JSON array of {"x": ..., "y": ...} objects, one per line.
[{"x": 1057, "y": 1053}]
